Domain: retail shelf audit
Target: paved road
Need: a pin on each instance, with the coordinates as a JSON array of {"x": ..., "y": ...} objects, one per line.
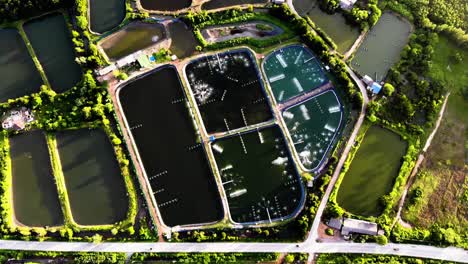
[{"x": 450, "y": 253}]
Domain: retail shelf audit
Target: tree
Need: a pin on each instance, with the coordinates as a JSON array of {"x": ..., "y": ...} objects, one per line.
[
  {"x": 388, "y": 89},
  {"x": 381, "y": 240},
  {"x": 289, "y": 258}
]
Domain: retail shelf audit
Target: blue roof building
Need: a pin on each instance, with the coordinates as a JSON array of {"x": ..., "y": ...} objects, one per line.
[{"x": 375, "y": 88}]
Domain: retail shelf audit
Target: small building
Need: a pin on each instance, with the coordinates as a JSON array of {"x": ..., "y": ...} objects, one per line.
[
  {"x": 375, "y": 88},
  {"x": 278, "y": 2},
  {"x": 347, "y": 4},
  {"x": 335, "y": 223},
  {"x": 359, "y": 227},
  {"x": 107, "y": 70},
  {"x": 367, "y": 80},
  {"x": 17, "y": 119}
]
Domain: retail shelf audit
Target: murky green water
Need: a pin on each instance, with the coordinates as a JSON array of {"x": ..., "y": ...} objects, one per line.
[
  {"x": 382, "y": 46},
  {"x": 131, "y": 38},
  {"x": 372, "y": 172},
  {"x": 51, "y": 40},
  {"x": 94, "y": 183},
  {"x": 258, "y": 176},
  {"x": 313, "y": 126},
  {"x": 106, "y": 14},
  {"x": 18, "y": 74},
  {"x": 183, "y": 41},
  {"x": 165, "y": 5},
  {"x": 35, "y": 196},
  {"x": 342, "y": 33}
]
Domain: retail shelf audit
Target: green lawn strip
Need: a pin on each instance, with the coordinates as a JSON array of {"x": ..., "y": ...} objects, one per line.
[
  {"x": 7, "y": 224},
  {"x": 33, "y": 54},
  {"x": 60, "y": 180}
]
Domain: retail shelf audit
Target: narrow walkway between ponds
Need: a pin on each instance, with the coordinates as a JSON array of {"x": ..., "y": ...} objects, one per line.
[{"x": 303, "y": 97}]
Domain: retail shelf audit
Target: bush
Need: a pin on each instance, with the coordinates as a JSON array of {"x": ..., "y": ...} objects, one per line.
[
  {"x": 329, "y": 231},
  {"x": 381, "y": 240}
]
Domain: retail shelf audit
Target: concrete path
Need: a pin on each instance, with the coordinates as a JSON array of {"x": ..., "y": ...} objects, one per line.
[{"x": 449, "y": 254}]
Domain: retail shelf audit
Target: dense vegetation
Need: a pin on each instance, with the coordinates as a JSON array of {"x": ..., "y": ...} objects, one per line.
[
  {"x": 446, "y": 16},
  {"x": 11, "y": 10},
  {"x": 362, "y": 258},
  {"x": 205, "y": 257},
  {"x": 364, "y": 14},
  {"x": 63, "y": 257}
]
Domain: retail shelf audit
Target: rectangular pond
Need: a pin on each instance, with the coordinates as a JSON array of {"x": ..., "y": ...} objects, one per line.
[
  {"x": 292, "y": 71},
  {"x": 215, "y": 4},
  {"x": 382, "y": 46},
  {"x": 131, "y": 38},
  {"x": 105, "y": 15},
  {"x": 35, "y": 196},
  {"x": 259, "y": 177},
  {"x": 314, "y": 126},
  {"x": 183, "y": 42},
  {"x": 18, "y": 74},
  {"x": 175, "y": 162},
  {"x": 343, "y": 34},
  {"x": 95, "y": 186},
  {"x": 372, "y": 172},
  {"x": 165, "y": 5},
  {"x": 228, "y": 90},
  {"x": 51, "y": 40}
]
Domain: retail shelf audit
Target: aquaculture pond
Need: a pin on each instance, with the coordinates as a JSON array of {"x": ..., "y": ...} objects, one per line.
[
  {"x": 313, "y": 126},
  {"x": 228, "y": 90},
  {"x": 372, "y": 172},
  {"x": 292, "y": 71},
  {"x": 215, "y": 4},
  {"x": 165, "y": 5},
  {"x": 131, "y": 38},
  {"x": 175, "y": 162},
  {"x": 106, "y": 14},
  {"x": 382, "y": 46},
  {"x": 95, "y": 186},
  {"x": 35, "y": 196},
  {"x": 343, "y": 34},
  {"x": 18, "y": 74},
  {"x": 258, "y": 175},
  {"x": 183, "y": 41},
  {"x": 55, "y": 51}
]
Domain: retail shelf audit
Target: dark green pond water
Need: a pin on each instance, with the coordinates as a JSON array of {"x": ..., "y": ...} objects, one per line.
[
  {"x": 165, "y": 5},
  {"x": 258, "y": 175},
  {"x": 343, "y": 34},
  {"x": 292, "y": 71},
  {"x": 214, "y": 4},
  {"x": 183, "y": 41},
  {"x": 228, "y": 90},
  {"x": 18, "y": 74},
  {"x": 35, "y": 196},
  {"x": 372, "y": 172},
  {"x": 106, "y": 14},
  {"x": 174, "y": 161},
  {"x": 51, "y": 40},
  {"x": 313, "y": 126},
  {"x": 382, "y": 46},
  {"x": 131, "y": 38},
  {"x": 94, "y": 183}
]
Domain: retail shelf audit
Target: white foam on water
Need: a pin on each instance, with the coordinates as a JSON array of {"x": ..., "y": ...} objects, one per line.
[
  {"x": 281, "y": 95},
  {"x": 298, "y": 57},
  {"x": 330, "y": 128},
  {"x": 218, "y": 148},
  {"x": 297, "y": 84},
  {"x": 305, "y": 112},
  {"x": 281, "y": 60},
  {"x": 288, "y": 115},
  {"x": 279, "y": 161},
  {"x": 228, "y": 167},
  {"x": 277, "y": 78},
  {"x": 333, "y": 109},
  {"x": 238, "y": 193}
]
